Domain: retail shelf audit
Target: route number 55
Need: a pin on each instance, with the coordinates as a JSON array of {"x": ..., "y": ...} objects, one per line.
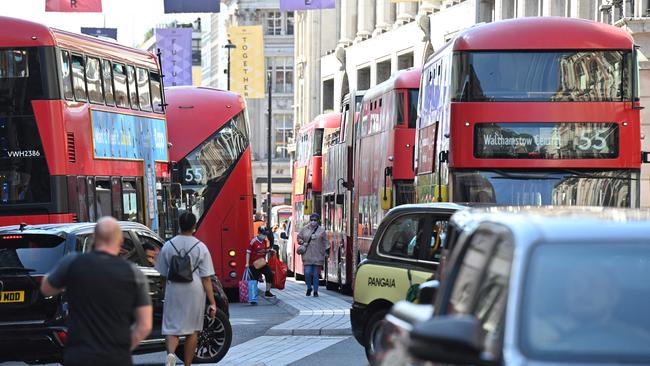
[
  {"x": 595, "y": 142},
  {"x": 193, "y": 174}
]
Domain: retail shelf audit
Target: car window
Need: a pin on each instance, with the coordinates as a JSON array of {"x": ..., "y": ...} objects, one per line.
[
  {"x": 470, "y": 273},
  {"x": 84, "y": 242},
  {"x": 492, "y": 296},
  {"x": 128, "y": 249},
  {"x": 39, "y": 252},
  {"x": 400, "y": 238},
  {"x": 151, "y": 248},
  {"x": 438, "y": 232}
]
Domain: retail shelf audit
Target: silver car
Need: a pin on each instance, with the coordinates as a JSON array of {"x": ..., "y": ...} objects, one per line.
[{"x": 541, "y": 286}]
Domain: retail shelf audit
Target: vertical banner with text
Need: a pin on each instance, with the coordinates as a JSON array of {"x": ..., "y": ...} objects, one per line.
[
  {"x": 247, "y": 61},
  {"x": 176, "y": 47}
]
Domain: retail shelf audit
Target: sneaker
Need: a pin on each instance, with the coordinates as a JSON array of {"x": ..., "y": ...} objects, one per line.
[
  {"x": 308, "y": 293},
  {"x": 268, "y": 294},
  {"x": 315, "y": 294},
  {"x": 171, "y": 360}
]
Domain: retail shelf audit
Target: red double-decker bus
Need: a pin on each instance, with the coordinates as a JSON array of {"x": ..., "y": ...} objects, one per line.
[
  {"x": 82, "y": 129},
  {"x": 211, "y": 174},
  {"x": 381, "y": 170},
  {"x": 308, "y": 179},
  {"x": 531, "y": 111}
]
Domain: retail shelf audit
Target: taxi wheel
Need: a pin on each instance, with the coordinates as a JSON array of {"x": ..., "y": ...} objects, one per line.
[
  {"x": 214, "y": 339},
  {"x": 371, "y": 333}
]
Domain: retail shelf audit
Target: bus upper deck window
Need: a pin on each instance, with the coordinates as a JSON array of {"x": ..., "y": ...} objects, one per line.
[
  {"x": 78, "y": 78},
  {"x": 66, "y": 76},
  {"x": 119, "y": 81},
  {"x": 156, "y": 92},
  {"x": 13, "y": 64}
]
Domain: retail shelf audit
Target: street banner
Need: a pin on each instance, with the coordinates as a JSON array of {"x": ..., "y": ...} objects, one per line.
[
  {"x": 192, "y": 6},
  {"x": 100, "y": 32},
  {"x": 291, "y": 5},
  {"x": 175, "y": 45},
  {"x": 247, "y": 61},
  {"x": 74, "y": 6}
]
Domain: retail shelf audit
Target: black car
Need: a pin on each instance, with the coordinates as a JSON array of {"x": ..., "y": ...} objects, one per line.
[{"x": 33, "y": 327}]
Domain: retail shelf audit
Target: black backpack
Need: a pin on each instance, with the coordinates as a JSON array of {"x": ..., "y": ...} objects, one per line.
[{"x": 180, "y": 266}]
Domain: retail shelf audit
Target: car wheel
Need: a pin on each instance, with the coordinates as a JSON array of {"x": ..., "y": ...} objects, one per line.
[
  {"x": 371, "y": 333},
  {"x": 214, "y": 340}
]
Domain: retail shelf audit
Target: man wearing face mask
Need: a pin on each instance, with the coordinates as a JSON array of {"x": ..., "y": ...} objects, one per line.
[
  {"x": 256, "y": 254},
  {"x": 314, "y": 238}
]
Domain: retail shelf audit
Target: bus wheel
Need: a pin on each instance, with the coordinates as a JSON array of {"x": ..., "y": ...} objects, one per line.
[
  {"x": 214, "y": 340},
  {"x": 371, "y": 334}
]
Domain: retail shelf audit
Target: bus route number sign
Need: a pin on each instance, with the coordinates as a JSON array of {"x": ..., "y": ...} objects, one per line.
[{"x": 559, "y": 140}]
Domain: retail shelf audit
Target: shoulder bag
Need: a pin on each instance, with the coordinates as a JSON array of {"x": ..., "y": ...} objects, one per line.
[{"x": 302, "y": 249}]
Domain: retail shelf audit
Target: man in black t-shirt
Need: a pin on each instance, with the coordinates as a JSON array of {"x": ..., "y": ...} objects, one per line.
[{"x": 108, "y": 296}]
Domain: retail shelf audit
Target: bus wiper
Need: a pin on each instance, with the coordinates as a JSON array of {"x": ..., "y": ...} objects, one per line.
[
  {"x": 15, "y": 269},
  {"x": 521, "y": 176},
  {"x": 579, "y": 174}
]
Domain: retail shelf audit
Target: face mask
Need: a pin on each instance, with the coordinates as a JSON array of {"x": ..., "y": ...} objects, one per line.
[
  {"x": 261, "y": 237},
  {"x": 313, "y": 223}
]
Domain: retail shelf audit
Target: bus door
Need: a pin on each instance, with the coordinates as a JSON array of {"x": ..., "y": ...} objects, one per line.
[{"x": 168, "y": 200}]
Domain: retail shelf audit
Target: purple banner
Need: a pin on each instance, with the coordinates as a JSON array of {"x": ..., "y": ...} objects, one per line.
[
  {"x": 192, "y": 6},
  {"x": 100, "y": 32},
  {"x": 175, "y": 44},
  {"x": 290, "y": 5}
]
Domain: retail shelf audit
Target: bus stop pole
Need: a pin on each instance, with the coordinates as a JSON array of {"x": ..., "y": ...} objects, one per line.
[{"x": 268, "y": 151}]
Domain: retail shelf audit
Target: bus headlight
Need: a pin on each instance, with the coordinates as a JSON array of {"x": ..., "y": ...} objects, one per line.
[{"x": 232, "y": 253}]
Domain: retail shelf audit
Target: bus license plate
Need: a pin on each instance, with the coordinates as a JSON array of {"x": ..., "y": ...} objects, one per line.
[{"x": 12, "y": 296}]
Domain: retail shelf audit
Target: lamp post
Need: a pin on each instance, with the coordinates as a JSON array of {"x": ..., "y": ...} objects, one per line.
[
  {"x": 269, "y": 78},
  {"x": 229, "y": 46}
]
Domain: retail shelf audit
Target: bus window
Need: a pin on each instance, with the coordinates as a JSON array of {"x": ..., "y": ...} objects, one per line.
[
  {"x": 65, "y": 75},
  {"x": 108, "y": 82},
  {"x": 116, "y": 197},
  {"x": 90, "y": 195},
  {"x": 143, "y": 90},
  {"x": 399, "y": 108},
  {"x": 82, "y": 214},
  {"x": 156, "y": 92},
  {"x": 119, "y": 80},
  {"x": 78, "y": 78},
  {"x": 412, "y": 107},
  {"x": 318, "y": 142},
  {"x": 93, "y": 80},
  {"x": 103, "y": 196},
  {"x": 129, "y": 201},
  {"x": 133, "y": 91}
]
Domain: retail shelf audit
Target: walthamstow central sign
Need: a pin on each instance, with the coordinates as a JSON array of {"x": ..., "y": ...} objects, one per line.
[{"x": 559, "y": 140}]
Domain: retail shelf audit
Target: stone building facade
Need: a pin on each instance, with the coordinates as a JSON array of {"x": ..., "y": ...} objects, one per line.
[{"x": 362, "y": 42}]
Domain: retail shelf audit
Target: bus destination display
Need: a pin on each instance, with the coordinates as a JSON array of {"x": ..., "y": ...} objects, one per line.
[{"x": 559, "y": 140}]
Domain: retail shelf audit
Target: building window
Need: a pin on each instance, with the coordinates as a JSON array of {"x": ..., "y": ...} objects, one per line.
[
  {"x": 290, "y": 23},
  {"x": 282, "y": 70},
  {"x": 196, "y": 52},
  {"x": 273, "y": 23},
  {"x": 283, "y": 134}
]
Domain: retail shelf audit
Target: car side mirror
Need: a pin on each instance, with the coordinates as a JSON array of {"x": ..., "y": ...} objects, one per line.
[
  {"x": 449, "y": 339},
  {"x": 283, "y": 235},
  {"x": 428, "y": 291}
]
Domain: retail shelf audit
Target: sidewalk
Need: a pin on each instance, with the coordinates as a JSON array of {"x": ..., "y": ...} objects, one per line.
[
  {"x": 318, "y": 324},
  {"x": 324, "y": 315}
]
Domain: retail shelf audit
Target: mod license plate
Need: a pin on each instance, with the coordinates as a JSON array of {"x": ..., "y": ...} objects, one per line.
[{"x": 12, "y": 296}]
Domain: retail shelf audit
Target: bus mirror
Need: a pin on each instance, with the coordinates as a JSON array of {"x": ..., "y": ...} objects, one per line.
[
  {"x": 307, "y": 208},
  {"x": 440, "y": 193},
  {"x": 339, "y": 199},
  {"x": 386, "y": 198},
  {"x": 645, "y": 157}
]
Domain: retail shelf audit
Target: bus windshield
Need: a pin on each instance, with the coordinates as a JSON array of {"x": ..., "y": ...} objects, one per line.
[
  {"x": 560, "y": 76},
  {"x": 204, "y": 171},
  {"x": 613, "y": 188},
  {"x": 24, "y": 174}
]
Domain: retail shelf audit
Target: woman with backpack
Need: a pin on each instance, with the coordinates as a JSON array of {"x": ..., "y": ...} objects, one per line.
[
  {"x": 314, "y": 248},
  {"x": 187, "y": 265}
]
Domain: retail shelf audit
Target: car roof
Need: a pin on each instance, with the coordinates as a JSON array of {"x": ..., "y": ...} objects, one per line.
[
  {"x": 561, "y": 223},
  {"x": 427, "y": 206},
  {"x": 69, "y": 228}
]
